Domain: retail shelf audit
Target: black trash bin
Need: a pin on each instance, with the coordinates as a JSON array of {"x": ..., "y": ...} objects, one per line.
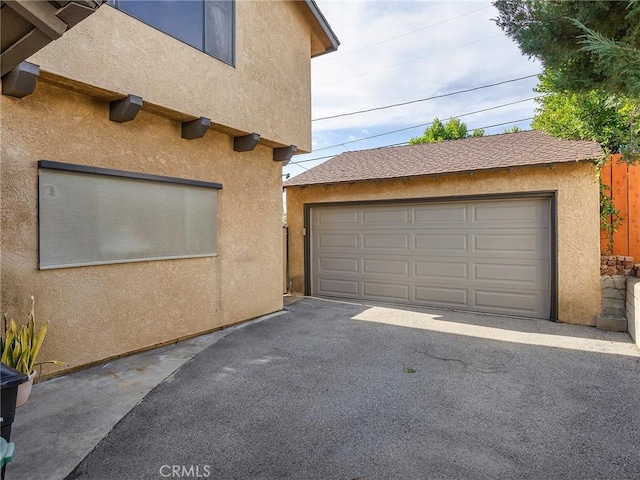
[{"x": 10, "y": 378}]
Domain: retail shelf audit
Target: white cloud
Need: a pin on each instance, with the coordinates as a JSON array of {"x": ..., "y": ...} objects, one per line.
[{"x": 441, "y": 47}]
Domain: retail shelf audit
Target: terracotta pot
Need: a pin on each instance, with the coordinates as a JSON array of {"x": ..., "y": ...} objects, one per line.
[{"x": 24, "y": 390}]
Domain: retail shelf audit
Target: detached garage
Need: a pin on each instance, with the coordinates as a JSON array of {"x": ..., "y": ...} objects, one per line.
[{"x": 505, "y": 224}]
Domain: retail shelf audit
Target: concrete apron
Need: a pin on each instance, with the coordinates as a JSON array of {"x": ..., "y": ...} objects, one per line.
[
  {"x": 66, "y": 417},
  {"x": 344, "y": 390}
]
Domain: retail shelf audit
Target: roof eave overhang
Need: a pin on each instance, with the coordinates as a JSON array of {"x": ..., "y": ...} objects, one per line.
[
  {"x": 28, "y": 26},
  {"x": 440, "y": 174},
  {"x": 331, "y": 41}
]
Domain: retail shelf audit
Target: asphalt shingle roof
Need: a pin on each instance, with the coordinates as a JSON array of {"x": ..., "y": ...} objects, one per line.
[{"x": 470, "y": 154}]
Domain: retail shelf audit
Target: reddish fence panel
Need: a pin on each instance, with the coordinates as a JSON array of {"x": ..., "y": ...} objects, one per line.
[
  {"x": 624, "y": 181},
  {"x": 634, "y": 212},
  {"x": 619, "y": 193}
]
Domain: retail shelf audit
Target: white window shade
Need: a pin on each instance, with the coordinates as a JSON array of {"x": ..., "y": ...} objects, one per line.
[{"x": 93, "y": 216}]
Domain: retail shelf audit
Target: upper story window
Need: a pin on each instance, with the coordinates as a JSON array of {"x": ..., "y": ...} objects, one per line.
[{"x": 208, "y": 25}]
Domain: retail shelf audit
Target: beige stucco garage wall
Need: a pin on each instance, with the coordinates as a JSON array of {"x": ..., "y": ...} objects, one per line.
[
  {"x": 577, "y": 211},
  {"x": 101, "y": 311},
  {"x": 267, "y": 92}
]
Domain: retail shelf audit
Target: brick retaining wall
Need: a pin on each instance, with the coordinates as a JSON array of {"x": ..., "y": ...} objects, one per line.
[
  {"x": 618, "y": 265},
  {"x": 617, "y": 272}
]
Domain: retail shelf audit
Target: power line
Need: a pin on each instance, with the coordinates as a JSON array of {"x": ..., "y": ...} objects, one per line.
[
  {"x": 429, "y": 123},
  {"x": 507, "y": 123},
  {"x": 318, "y": 158},
  {"x": 411, "y": 61},
  {"x": 476, "y": 128},
  {"x": 424, "y": 99},
  {"x": 402, "y": 143},
  {"x": 334, "y": 57},
  {"x": 304, "y": 168}
]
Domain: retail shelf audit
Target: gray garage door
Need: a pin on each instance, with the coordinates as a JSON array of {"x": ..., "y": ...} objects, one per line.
[{"x": 487, "y": 256}]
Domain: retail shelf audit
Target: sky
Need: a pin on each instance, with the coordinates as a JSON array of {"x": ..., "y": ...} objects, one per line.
[{"x": 406, "y": 50}]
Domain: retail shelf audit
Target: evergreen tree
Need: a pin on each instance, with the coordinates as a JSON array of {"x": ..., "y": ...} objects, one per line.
[{"x": 589, "y": 45}]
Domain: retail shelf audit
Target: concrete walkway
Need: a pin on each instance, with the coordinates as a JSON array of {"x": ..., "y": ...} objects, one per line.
[
  {"x": 66, "y": 417},
  {"x": 343, "y": 390}
]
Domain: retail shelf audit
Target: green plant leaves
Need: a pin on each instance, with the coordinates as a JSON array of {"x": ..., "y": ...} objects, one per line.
[{"x": 21, "y": 345}]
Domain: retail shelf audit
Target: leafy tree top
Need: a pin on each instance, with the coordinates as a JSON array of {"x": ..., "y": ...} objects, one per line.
[
  {"x": 590, "y": 115},
  {"x": 452, "y": 130},
  {"x": 589, "y": 44},
  {"x": 513, "y": 129}
]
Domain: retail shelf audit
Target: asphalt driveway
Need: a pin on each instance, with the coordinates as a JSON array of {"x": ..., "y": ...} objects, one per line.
[{"x": 333, "y": 390}]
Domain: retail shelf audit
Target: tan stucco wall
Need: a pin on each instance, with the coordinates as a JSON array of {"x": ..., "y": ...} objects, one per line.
[
  {"x": 267, "y": 92},
  {"x": 578, "y": 220},
  {"x": 101, "y": 311}
]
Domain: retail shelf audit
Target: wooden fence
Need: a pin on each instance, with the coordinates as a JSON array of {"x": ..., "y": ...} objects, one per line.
[{"x": 624, "y": 181}]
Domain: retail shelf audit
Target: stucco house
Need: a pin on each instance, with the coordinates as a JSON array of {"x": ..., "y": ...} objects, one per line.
[
  {"x": 503, "y": 224},
  {"x": 142, "y": 156}
]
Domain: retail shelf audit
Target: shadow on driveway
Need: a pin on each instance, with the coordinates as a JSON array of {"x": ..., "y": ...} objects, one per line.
[{"x": 334, "y": 390}]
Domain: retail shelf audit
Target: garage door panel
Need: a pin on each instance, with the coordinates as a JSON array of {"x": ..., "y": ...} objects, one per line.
[
  {"x": 385, "y": 267},
  {"x": 338, "y": 216},
  {"x": 329, "y": 264},
  {"x": 389, "y": 291},
  {"x": 509, "y": 244},
  {"x": 434, "y": 271},
  {"x": 341, "y": 241},
  {"x": 439, "y": 243},
  {"x": 436, "y": 215},
  {"x": 385, "y": 216},
  {"x": 333, "y": 286},
  {"x": 486, "y": 255},
  {"x": 525, "y": 304},
  {"x": 515, "y": 274},
  {"x": 522, "y": 213},
  {"x": 449, "y": 297},
  {"x": 376, "y": 240}
]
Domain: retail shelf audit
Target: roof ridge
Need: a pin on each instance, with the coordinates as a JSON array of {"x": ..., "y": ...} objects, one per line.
[
  {"x": 505, "y": 150},
  {"x": 441, "y": 141}
]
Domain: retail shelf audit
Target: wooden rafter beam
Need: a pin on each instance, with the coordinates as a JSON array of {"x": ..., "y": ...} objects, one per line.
[
  {"x": 41, "y": 14},
  {"x": 29, "y": 25},
  {"x": 24, "y": 48}
]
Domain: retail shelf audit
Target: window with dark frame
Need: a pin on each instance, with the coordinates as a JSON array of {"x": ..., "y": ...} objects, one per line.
[
  {"x": 97, "y": 216},
  {"x": 208, "y": 25}
]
